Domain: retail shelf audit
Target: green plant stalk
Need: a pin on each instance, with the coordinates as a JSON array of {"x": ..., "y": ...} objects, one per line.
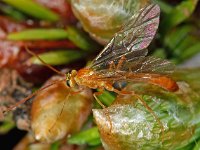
[
  {"x": 191, "y": 51},
  {"x": 106, "y": 98},
  {"x": 58, "y": 57},
  {"x": 178, "y": 15},
  {"x": 160, "y": 52},
  {"x": 197, "y": 146},
  {"x": 7, "y": 125},
  {"x": 33, "y": 9},
  {"x": 176, "y": 36},
  {"x": 55, "y": 145},
  {"x": 12, "y": 12},
  {"x": 90, "y": 137},
  {"x": 183, "y": 47},
  {"x": 38, "y": 34},
  {"x": 188, "y": 147},
  {"x": 80, "y": 39}
]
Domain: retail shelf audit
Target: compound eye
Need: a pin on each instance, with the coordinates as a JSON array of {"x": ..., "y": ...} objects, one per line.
[{"x": 68, "y": 83}]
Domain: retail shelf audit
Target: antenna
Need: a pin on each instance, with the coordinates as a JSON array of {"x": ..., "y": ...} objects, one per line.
[
  {"x": 44, "y": 63},
  {"x": 31, "y": 95}
]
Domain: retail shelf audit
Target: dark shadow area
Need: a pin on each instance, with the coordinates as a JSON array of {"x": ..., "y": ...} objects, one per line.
[{"x": 9, "y": 140}]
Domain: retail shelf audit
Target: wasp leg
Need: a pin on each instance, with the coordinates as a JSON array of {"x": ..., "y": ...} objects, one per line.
[
  {"x": 98, "y": 101},
  {"x": 123, "y": 92},
  {"x": 151, "y": 111},
  {"x": 144, "y": 104},
  {"x": 102, "y": 105},
  {"x": 119, "y": 65},
  {"x": 112, "y": 66}
]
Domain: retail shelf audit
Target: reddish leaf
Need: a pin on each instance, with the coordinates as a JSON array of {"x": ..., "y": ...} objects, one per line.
[{"x": 8, "y": 25}]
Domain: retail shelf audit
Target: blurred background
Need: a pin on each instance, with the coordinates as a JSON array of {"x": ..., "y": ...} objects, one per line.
[{"x": 69, "y": 34}]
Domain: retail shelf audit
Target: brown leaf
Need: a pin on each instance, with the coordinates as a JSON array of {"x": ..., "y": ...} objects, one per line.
[{"x": 58, "y": 112}]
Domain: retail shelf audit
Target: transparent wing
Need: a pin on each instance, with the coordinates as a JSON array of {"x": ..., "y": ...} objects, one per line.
[
  {"x": 146, "y": 66},
  {"x": 132, "y": 40},
  {"x": 144, "y": 69}
]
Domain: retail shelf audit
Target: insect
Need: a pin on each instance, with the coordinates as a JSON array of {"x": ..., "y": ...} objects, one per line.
[{"x": 125, "y": 58}]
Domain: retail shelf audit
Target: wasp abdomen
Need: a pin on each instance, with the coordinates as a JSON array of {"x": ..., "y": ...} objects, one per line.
[{"x": 165, "y": 82}]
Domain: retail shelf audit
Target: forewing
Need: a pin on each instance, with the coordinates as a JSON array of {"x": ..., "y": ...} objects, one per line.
[{"x": 132, "y": 40}]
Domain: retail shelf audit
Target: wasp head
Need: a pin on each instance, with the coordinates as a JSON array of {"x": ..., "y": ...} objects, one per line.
[{"x": 70, "y": 78}]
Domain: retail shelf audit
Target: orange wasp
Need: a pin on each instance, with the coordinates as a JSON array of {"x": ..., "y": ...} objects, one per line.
[{"x": 124, "y": 59}]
